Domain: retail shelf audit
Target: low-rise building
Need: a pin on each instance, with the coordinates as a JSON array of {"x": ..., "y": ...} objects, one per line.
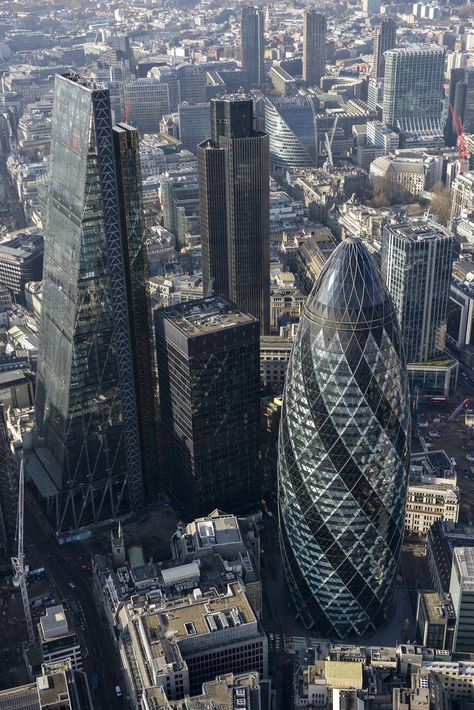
[
  {"x": 429, "y": 499},
  {"x": 435, "y": 620},
  {"x": 58, "y": 687},
  {"x": 182, "y": 643},
  {"x": 57, "y": 640}
]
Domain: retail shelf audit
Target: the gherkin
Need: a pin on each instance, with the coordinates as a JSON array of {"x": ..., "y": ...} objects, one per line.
[{"x": 344, "y": 449}]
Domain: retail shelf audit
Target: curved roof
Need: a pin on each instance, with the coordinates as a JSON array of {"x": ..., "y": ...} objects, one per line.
[{"x": 349, "y": 290}]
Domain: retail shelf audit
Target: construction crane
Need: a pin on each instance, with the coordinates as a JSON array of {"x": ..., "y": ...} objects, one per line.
[
  {"x": 18, "y": 562},
  {"x": 458, "y": 410},
  {"x": 329, "y": 161},
  {"x": 463, "y": 152}
]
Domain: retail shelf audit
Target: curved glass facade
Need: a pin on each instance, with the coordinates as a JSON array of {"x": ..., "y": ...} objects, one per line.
[
  {"x": 344, "y": 449},
  {"x": 290, "y": 122}
]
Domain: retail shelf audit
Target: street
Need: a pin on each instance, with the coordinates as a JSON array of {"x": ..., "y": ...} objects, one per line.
[{"x": 63, "y": 568}]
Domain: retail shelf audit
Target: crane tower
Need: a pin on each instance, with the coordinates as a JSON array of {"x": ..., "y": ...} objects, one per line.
[{"x": 18, "y": 562}]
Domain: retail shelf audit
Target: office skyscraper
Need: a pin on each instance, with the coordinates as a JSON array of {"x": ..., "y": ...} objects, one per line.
[
  {"x": 343, "y": 449},
  {"x": 413, "y": 88},
  {"x": 314, "y": 47},
  {"x": 385, "y": 38},
  {"x": 461, "y": 98},
  {"x": 417, "y": 260},
  {"x": 290, "y": 122},
  {"x": 233, "y": 171},
  {"x": 252, "y": 38},
  {"x": 94, "y": 395},
  {"x": 209, "y": 374}
]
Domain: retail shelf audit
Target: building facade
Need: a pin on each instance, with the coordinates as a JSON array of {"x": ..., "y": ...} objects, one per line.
[
  {"x": 314, "y": 47},
  {"x": 413, "y": 88},
  {"x": 209, "y": 372},
  {"x": 343, "y": 449},
  {"x": 417, "y": 260},
  {"x": 385, "y": 38},
  {"x": 233, "y": 171},
  {"x": 94, "y": 377},
  {"x": 252, "y": 48},
  {"x": 461, "y": 588},
  {"x": 290, "y": 122}
]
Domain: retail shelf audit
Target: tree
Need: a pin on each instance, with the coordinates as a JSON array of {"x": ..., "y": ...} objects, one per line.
[{"x": 441, "y": 203}]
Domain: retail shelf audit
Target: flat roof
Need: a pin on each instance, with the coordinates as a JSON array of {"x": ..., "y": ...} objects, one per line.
[
  {"x": 177, "y": 574},
  {"x": 23, "y": 698},
  {"x": 206, "y": 315},
  {"x": 464, "y": 557}
]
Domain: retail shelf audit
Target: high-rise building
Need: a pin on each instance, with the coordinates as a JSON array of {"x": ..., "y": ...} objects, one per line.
[
  {"x": 314, "y": 47},
  {"x": 417, "y": 260},
  {"x": 344, "y": 449},
  {"x": 290, "y": 122},
  {"x": 194, "y": 124},
  {"x": 209, "y": 373},
  {"x": 233, "y": 171},
  {"x": 8, "y": 495},
  {"x": 413, "y": 88},
  {"x": 94, "y": 394},
  {"x": 461, "y": 98},
  {"x": 461, "y": 588},
  {"x": 253, "y": 44},
  {"x": 191, "y": 83},
  {"x": 385, "y": 38},
  {"x": 144, "y": 103}
]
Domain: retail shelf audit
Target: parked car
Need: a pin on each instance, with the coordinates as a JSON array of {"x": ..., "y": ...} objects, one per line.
[
  {"x": 118, "y": 691},
  {"x": 470, "y": 458},
  {"x": 435, "y": 434},
  {"x": 423, "y": 425}
]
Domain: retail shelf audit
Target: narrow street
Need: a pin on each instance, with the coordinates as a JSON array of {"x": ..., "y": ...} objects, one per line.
[{"x": 100, "y": 654}]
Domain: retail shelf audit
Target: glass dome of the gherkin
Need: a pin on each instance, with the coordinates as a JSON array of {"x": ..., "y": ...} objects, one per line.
[{"x": 350, "y": 289}]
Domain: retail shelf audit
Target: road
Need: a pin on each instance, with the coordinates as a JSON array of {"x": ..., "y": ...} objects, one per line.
[{"x": 63, "y": 568}]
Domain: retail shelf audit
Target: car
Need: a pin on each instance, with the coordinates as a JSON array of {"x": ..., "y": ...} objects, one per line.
[
  {"x": 422, "y": 425},
  {"x": 428, "y": 445},
  {"x": 85, "y": 568},
  {"x": 470, "y": 458},
  {"x": 434, "y": 434},
  {"x": 437, "y": 420},
  {"x": 118, "y": 691},
  {"x": 71, "y": 585}
]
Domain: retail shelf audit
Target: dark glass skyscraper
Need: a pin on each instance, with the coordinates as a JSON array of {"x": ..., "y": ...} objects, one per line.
[
  {"x": 253, "y": 44},
  {"x": 461, "y": 98},
  {"x": 344, "y": 449},
  {"x": 385, "y": 37},
  {"x": 233, "y": 170},
  {"x": 94, "y": 396},
  {"x": 209, "y": 373},
  {"x": 314, "y": 47}
]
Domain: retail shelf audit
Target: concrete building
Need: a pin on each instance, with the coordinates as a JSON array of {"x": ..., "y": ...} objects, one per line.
[
  {"x": 384, "y": 39},
  {"x": 183, "y": 643},
  {"x": 417, "y": 259},
  {"x": 462, "y": 194},
  {"x": 58, "y": 687},
  {"x": 414, "y": 171},
  {"x": 275, "y": 351},
  {"x": 314, "y": 46},
  {"x": 252, "y": 48},
  {"x": 435, "y": 620},
  {"x": 442, "y": 538},
  {"x": 461, "y": 588},
  {"x": 21, "y": 260},
  {"x": 432, "y": 492},
  {"x": 57, "y": 640}
]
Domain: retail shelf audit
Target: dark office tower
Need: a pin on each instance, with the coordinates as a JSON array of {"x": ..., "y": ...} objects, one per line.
[
  {"x": 344, "y": 449},
  {"x": 252, "y": 36},
  {"x": 417, "y": 260},
  {"x": 209, "y": 373},
  {"x": 314, "y": 47},
  {"x": 461, "y": 98},
  {"x": 385, "y": 37},
  {"x": 88, "y": 396},
  {"x": 233, "y": 171}
]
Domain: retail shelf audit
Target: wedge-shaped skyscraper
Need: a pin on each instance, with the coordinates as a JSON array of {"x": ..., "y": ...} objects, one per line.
[
  {"x": 94, "y": 395},
  {"x": 343, "y": 449}
]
